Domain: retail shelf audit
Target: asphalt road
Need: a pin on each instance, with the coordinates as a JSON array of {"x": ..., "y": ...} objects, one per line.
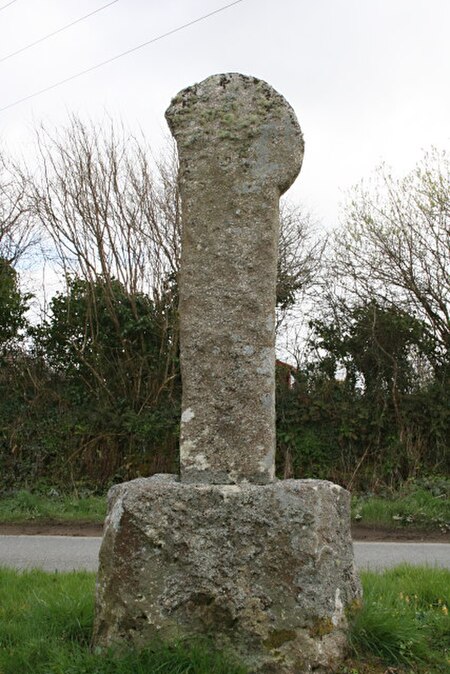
[{"x": 68, "y": 553}]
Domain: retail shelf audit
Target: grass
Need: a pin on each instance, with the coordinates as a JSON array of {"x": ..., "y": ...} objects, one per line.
[
  {"x": 24, "y": 506},
  {"x": 46, "y": 623},
  {"x": 419, "y": 504},
  {"x": 405, "y": 619}
]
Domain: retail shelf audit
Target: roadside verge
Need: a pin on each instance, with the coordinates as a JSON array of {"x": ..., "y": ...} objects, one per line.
[{"x": 360, "y": 532}]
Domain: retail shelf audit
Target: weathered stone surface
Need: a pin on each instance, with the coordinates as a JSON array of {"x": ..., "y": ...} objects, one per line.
[
  {"x": 240, "y": 147},
  {"x": 266, "y": 570}
]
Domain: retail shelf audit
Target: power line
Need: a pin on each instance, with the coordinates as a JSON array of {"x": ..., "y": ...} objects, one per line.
[
  {"x": 114, "y": 58},
  {"x": 8, "y": 4},
  {"x": 55, "y": 32}
]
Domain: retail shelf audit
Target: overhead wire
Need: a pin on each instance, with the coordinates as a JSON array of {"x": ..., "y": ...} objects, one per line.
[
  {"x": 8, "y": 4},
  {"x": 118, "y": 56},
  {"x": 55, "y": 32}
]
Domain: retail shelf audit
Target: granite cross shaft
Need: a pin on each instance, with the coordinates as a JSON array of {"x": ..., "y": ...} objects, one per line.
[{"x": 240, "y": 147}]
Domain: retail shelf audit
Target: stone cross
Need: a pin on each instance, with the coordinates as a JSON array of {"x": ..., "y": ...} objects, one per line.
[
  {"x": 276, "y": 594},
  {"x": 240, "y": 147}
]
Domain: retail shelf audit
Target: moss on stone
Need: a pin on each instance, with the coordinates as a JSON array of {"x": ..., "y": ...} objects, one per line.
[
  {"x": 321, "y": 627},
  {"x": 353, "y": 607},
  {"x": 277, "y": 638}
]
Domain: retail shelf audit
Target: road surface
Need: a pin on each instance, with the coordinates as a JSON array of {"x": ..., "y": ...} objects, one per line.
[{"x": 68, "y": 553}]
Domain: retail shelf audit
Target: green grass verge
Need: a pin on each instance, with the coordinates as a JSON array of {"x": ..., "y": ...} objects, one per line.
[
  {"x": 422, "y": 504},
  {"x": 405, "y": 619},
  {"x": 25, "y": 506},
  {"x": 46, "y": 624}
]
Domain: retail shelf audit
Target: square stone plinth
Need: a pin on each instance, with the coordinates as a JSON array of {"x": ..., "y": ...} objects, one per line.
[{"x": 266, "y": 571}]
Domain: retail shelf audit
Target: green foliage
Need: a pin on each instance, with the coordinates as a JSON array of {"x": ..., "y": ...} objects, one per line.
[
  {"x": 375, "y": 343},
  {"x": 92, "y": 396},
  {"x": 371, "y": 404},
  {"x": 13, "y": 305},
  {"x": 91, "y": 323},
  {"x": 97, "y": 400},
  {"x": 98, "y": 397}
]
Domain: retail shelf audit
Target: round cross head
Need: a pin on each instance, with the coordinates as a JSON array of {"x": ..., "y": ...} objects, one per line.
[{"x": 244, "y": 120}]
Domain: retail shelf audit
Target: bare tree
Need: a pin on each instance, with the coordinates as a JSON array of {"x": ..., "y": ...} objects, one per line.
[
  {"x": 16, "y": 233},
  {"x": 107, "y": 206},
  {"x": 394, "y": 245},
  {"x": 110, "y": 214},
  {"x": 301, "y": 247},
  {"x": 110, "y": 208}
]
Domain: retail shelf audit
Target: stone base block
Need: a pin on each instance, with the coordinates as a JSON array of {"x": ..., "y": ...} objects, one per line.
[{"x": 266, "y": 571}]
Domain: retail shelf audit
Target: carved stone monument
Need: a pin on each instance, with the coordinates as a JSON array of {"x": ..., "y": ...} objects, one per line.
[
  {"x": 265, "y": 567},
  {"x": 240, "y": 147}
]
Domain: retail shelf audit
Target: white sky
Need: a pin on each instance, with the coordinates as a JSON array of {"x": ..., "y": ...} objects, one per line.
[{"x": 368, "y": 79}]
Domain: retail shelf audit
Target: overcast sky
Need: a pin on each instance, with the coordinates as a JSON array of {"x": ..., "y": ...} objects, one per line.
[{"x": 368, "y": 79}]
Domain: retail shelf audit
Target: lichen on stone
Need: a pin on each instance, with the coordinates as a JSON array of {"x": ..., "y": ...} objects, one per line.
[{"x": 321, "y": 627}]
